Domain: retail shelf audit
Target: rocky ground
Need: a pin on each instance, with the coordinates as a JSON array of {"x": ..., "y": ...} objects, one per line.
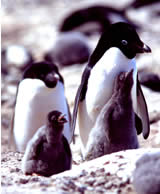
[{"x": 34, "y": 25}]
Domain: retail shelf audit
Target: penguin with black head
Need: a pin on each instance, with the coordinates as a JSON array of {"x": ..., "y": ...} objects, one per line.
[
  {"x": 114, "y": 53},
  {"x": 40, "y": 91},
  {"x": 114, "y": 129},
  {"x": 48, "y": 152}
]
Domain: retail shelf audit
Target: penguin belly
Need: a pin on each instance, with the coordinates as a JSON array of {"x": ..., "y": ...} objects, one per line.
[
  {"x": 100, "y": 86},
  {"x": 34, "y": 102}
]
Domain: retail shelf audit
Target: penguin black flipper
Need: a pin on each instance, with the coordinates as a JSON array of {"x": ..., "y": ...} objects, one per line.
[
  {"x": 68, "y": 151},
  {"x": 138, "y": 124},
  {"x": 36, "y": 146},
  {"x": 80, "y": 96},
  {"x": 143, "y": 111},
  {"x": 70, "y": 120}
]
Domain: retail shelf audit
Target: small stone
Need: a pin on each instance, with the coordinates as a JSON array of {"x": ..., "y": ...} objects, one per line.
[
  {"x": 90, "y": 181},
  {"x": 99, "y": 181},
  {"x": 23, "y": 181},
  {"x": 83, "y": 173},
  {"x": 108, "y": 185},
  {"x": 100, "y": 190},
  {"x": 14, "y": 170},
  {"x": 4, "y": 160},
  {"x": 118, "y": 191},
  {"x": 12, "y": 89},
  {"x": 34, "y": 179},
  {"x": 44, "y": 183},
  {"x": 44, "y": 189},
  {"x": 81, "y": 189},
  {"x": 64, "y": 187},
  {"x": 93, "y": 174}
]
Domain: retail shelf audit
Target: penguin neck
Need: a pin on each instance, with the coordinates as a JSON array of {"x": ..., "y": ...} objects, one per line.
[
  {"x": 100, "y": 49},
  {"x": 123, "y": 94},
  {"x": 114, "y": 61},
  {"x": 54, "y": 134}
]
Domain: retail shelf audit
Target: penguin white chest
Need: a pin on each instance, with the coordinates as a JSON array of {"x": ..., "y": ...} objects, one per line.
[{"x": 101, "y": 80}]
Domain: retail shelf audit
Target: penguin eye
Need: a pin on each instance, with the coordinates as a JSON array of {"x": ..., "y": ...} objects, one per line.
[
  {"x": 124, "y": 42},
  {"x": 53, "y": 119}
]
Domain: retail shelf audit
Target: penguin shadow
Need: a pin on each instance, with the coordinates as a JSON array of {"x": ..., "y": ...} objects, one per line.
[
  {"x": 114, "y": 129},
  {"x": 48, "y": 152}
]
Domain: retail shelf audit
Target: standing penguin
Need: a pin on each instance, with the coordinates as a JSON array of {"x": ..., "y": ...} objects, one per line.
[
  {"x": 48, "y": 151},
  {"x": 114, "y": 53},
  {"x": 114, "y": 129},
  {"x": 40, "y": 91}
]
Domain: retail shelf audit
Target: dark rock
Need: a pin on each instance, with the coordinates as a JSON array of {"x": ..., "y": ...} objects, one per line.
[
  {"x": 70, "y": 48},
  {"x": 150, "y": 80}
]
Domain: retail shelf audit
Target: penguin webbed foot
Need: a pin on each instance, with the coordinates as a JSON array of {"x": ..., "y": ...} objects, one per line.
[{"x": 138, "y": 124}]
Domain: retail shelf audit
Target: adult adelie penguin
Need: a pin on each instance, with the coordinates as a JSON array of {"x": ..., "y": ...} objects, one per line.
[
  {"x": 114, "y": 53},
  {"x": 40, "y": 91},
  {"x": 48, "y": 152}
]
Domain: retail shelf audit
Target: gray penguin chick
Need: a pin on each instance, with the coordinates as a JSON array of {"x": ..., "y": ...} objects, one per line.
[
  {"x": 48, "y": 152},
  {"x": 114, "y": 129},
  {"x": 146, "y": 176}
]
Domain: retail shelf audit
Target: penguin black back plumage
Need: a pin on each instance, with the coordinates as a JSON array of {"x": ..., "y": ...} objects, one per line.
[
  {"x": 114, "y": 129},
  {"x": 48, "y": 152}
]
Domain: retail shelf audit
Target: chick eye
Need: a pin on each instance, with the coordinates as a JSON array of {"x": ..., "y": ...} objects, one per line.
[{"x": 124, "y": 42}]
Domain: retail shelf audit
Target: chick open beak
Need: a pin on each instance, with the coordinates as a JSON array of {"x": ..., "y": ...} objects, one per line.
[{"x": 62, "y": 119}]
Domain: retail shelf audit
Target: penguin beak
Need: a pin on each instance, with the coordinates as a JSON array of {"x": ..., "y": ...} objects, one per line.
[
  {"x": 51, "y": 80},
  {"x": 143, "y": 48},
  {"x": 146, "y": 49},
  {"x": 62, "y": 119}
]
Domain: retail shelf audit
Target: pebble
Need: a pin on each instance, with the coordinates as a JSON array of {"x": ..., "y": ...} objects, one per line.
[
  {"x": 23, "y": 181},
  {"x": 108, "y": 185},
  {"x": 90, "y": 181}
]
